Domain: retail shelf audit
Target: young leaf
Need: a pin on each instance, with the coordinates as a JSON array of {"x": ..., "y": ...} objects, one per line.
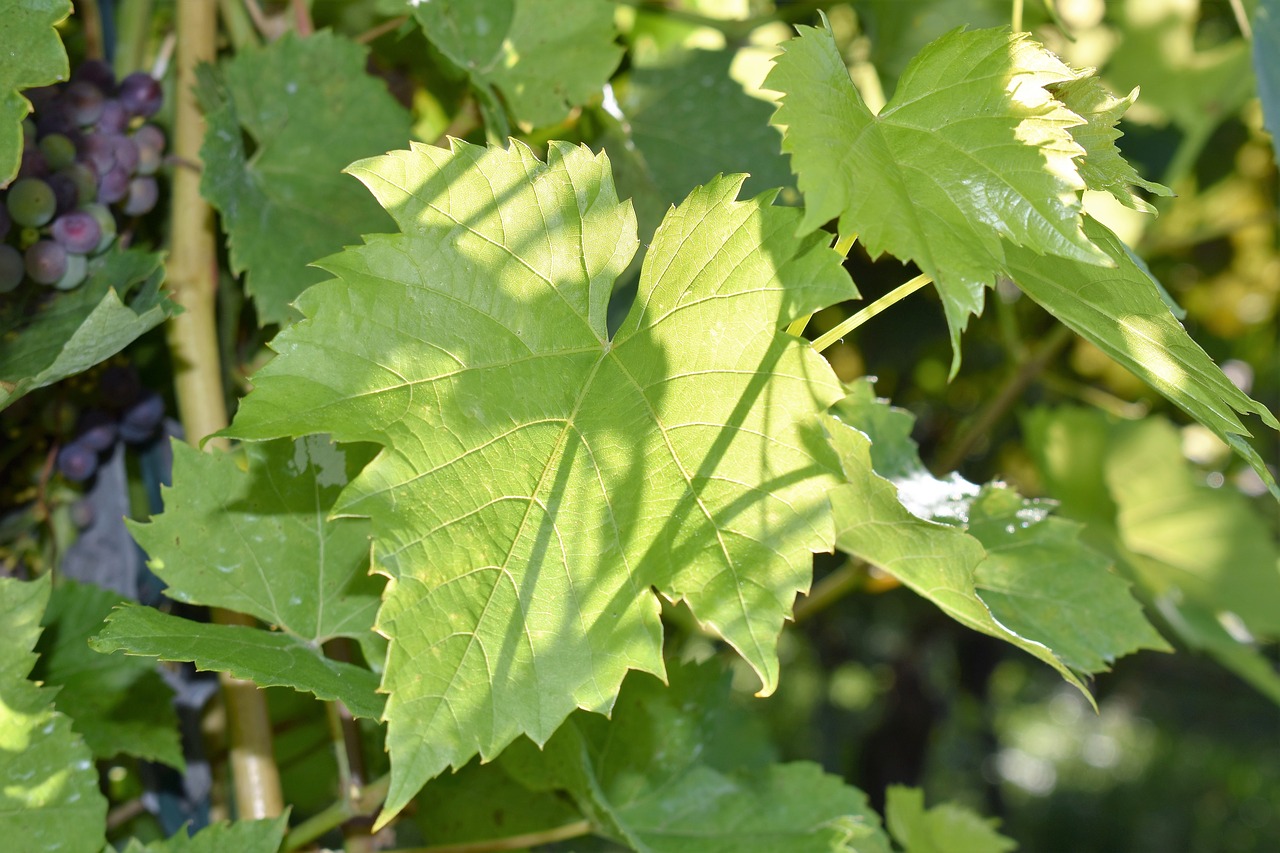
[
  {"x": 242, "y": 836},
  {"x": 285, "y": 202},
  {"x": 540, "y": 478},
  {"x": 33, "y": 56},
  {"x": 81, "y": 328},
  {"x": 267, "y": 658},
  {"x": 1122, "y": 312},
  {"x": 946, "y": 828},
  {"x": 120, "y": 705},
  {"x": 971, "y": 154},
  {"x": 543, "y": 56},
  {"x": 49, "y": 798},
  {"x": 677, "y": 770}
]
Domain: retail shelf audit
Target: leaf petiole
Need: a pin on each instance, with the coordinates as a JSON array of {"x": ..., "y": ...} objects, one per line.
[{"x": 894, "y": 296}]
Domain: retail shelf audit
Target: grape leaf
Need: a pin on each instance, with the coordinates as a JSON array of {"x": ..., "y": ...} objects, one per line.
[
  {"x": 120, "y": 300},
  {"x": 972, "y": 154},
  {"x": 249, "y": 531},
  {"x": 946, "y": 828},
  {"x": 675, "y": 771},
  {"x": 242, "y": 836},
  {"x": 543, "y": 56},
  {"x": 49, "y": 798},
  {"x": 1121, "y": 311},
  {"x": 120, "y": 705},
  {"x": 282, "y": 196},
  {"x": 1266, "y": 63},
  {"x": 33, "y": 56},
  {"x": 679, "y": 125},
  {"x": 267, "y": 658},
  {"x": 539, "y": 477}
]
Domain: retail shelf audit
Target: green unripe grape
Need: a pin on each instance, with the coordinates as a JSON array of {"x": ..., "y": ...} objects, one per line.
[
  {"x": 85, "y": 179},
  {"x": 107, "y": 221},
  {"x": 77, "y": 270},
  {"x": 28, "y": 237},
  {"x": 12, "y": 268},
  {"x": 58, "y": 151},
  {"x": 31, "y": 202}
]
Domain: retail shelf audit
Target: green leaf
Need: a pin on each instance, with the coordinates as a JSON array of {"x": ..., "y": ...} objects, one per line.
[
  {"x": 242, "y": 836},
  {"x": 1121, "y": 311},
  {"x": 540, "y": 478},
  {"x": 49, "y": 798},
  {"x": 682, "y": 123},
  {"x": 249, "y": 531},
  {"x": 282, "y": 196},
  {"x": 120, "y": 300},
  {"x": 120, "y": 705},
  {"x": 675, "y": 771},
  {"x": 543, "y": 56},
  {"x": 1266, "y": 63},
  {"x": 1103, "y": 168},
  {"x": 33, "y": 56},
  {"x": 947, "y": 828},
  {"x": 267, "y": 658},
  {"x": 972, "y": 154}
]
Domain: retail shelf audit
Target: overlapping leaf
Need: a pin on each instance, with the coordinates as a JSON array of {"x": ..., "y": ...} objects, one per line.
[
  {"x": 118, "y": 303},
  {"x": 120, "y": 705},
  {"x": 945, "y": 828},
  {"x": 33, "y": 56},
  {"x": 242, "y": 836},
  {"x": 677, "y": 770},
  {"x": 987, "y": 557},
  {"x": 972, "y": 154},
  {"x": 539, "y": 477},
  {"x": 1121, "y": 311},
  {"x": 257, "y": 539},
  {"x": 543, "y": 56},
  {"x": 49, "y": 798},
  {"x": 283, "y": 199}
]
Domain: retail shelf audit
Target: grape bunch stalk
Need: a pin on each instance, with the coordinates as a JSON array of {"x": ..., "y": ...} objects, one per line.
[{"x": 89, "y": 155}]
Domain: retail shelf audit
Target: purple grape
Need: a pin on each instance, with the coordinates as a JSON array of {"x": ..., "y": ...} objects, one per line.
[
  {"x": 139, "y": 422},
  {"x": 65, "y": 192},
  {"x": 33, "y": 164},
  {"x": 12, "y": 268},
  {"x": 97, "y": 430},
  {"x": 31, "y": 202},
  {"x": 150, "y": 142},
  {"x": 126, "y": 152},
  {"x": 97, "y": 73},
  {"x": 140, "y": 94},
  {"x": 143, "y": 194},
  {"x": 114, "y": 118},
  {"x": 106, "y": 221},
  {"x": 58, "y": 150},
  {"x": 86, "y": 182},
  {"x": 46, "y": 262},
  {"x": 113, "y": 185},
  {"x": 84, "y": 102},
  {"x": 77, "y": 231},
  {"x": 77, "y": 272},
  {"x": 55, "y": 118},
  {"x": 98, "y": 150},
  {"x": 77, "y": 462}
]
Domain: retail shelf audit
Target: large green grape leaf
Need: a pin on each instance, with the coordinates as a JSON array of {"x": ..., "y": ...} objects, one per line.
[
  {"x": 945, "y": 828},
  {"x": 120, "y": 301},
  {"x": 1122, "y": 312},
  {"x": 972, "y": 154},
  {"x": 267, "y": 658},
  {"x": 680, "y": 124},
  {"x": 1266, "y": 63},
  {"x": 242, "y": 836},
  {"x": 120, "y": 705},
  {"x": 49, "y": 798},
  {"x": 282, "y": 196},
  {"x": 542, "y": 56},
  {"x": 678, "y": 770},
  {"x": 33, "y": 55},
  {"x": 540, "y": 478}
]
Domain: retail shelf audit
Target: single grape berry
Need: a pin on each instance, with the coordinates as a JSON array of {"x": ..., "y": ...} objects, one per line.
[
  {"x": 140, "y": 94},
  {"x": 113, "y": 185},
  {"x": 142, "y": 197},
  {"x": 84, "y": 102},
  {"x": 126, "y": 152},
  {"x": 77, "y": 231},
  {"x": 58, "y": 150},
  {"x": 98, "y": 150},
  {"x": 46, "y": 262},
  {"x": 138, "y": 423},
  {"x": 97, "y": 430},
  {"x": 31, "y": 202},
  {"x": 150, "y": 142},
  {"x": 77, "y": 272},
  {"x": 114, "y": 118},
  {"x": 65, "y": 192},
  {"x": 106, "y": 222},
  {"x": 76, "y": 462},
  {"x": 86, "y": 181},
  {"x": 12, "y": 268}
]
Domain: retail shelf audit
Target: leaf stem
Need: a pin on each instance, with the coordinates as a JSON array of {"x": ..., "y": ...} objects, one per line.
[
  {"x": 1242, "y": 19},
  {"x": 1016, "y": 18},
  {"x": 197, "y": 369},
  {"x": 884, "y": 302},
  {"x": 362, "y": 805}
]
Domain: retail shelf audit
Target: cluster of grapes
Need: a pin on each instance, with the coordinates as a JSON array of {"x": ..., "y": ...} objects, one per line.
[
  {"x": 128, "y": 413},
  {"x": 87, "y": 147}
]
